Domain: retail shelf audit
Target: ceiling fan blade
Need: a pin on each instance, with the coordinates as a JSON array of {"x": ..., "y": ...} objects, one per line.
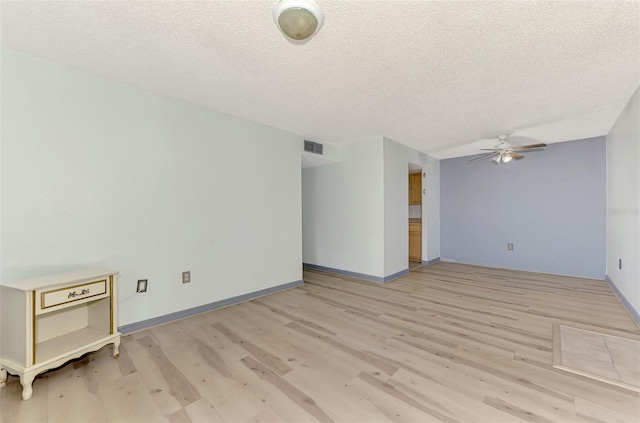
[
  {"x": 515, "y": 155},
  {"x": 490, "y": 149},
  {"x": 484, "y": 156},
  {"x": 527, "y": 147}
]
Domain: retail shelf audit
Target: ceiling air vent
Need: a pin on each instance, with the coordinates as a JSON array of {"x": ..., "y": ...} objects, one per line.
[{"x": 313, "y": 147}]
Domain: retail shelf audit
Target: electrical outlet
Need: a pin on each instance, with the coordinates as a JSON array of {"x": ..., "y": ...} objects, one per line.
[
  {"x": 620, "y": 264},
  {"x": 510, "y": 247},
  {"x": 142, "y": 285},
  {"x": 186, "y": 277}
]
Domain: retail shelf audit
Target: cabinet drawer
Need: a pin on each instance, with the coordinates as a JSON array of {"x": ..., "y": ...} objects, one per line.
[{"x": 55, "y": 299}]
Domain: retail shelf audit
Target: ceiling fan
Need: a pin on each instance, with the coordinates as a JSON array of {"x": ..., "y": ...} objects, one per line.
[{"x": 504, "y": 152}]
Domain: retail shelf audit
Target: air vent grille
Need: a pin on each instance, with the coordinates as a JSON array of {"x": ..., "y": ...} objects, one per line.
[{"x": 313, "y": 147}]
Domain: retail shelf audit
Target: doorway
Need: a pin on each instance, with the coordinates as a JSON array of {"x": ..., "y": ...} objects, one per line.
[{"x": 415, "y": 173}]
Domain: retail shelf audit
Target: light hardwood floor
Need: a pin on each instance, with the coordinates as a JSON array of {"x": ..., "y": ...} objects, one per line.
[{"x": 448, "y": 342}]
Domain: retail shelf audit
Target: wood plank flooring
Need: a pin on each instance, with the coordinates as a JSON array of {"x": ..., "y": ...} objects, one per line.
[{"x": 445, "y": 343}]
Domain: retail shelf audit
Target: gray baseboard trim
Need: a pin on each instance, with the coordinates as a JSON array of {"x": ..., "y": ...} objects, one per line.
[
  {"x": 632, "y": 311},
  {"x": 432, "y": 261},
  {"x": 344, "y": 272},
  {"x": 205, "y": 307},
  {"x": 396, "y": 275},
  {"x": 356, "y": 274},
  {"x": 593, "y": 277}
]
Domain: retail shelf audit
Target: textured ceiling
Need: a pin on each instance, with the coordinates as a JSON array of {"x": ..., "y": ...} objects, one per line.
[{"x": 437, "y": 76}]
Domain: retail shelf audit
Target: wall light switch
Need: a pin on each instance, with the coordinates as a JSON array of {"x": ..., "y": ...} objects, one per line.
[
  {"x": 186, "y": 277},
  {"x": 510, "y": 247}
]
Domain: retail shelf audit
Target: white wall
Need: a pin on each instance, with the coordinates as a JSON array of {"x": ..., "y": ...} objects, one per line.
[
  {"x": 342, "y": 207},
  {"x": 97, "y": 173},
  {"x": 396, "y": 237},
  {"x": 355, "y": 214},
  {"x": 330, "y": 154},
  {"x": 623, "y": 202},
  {"x": 431, "y": 213}
]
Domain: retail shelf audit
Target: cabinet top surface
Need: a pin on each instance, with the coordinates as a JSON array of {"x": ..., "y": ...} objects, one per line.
[{"x": 32, "y": 284}]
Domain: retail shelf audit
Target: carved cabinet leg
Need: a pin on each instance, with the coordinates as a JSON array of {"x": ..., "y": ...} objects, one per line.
[
  {"x": 3, "y": 377},
  {"x": 26, "y": 380},
  {"x": 116, "y": 348}
]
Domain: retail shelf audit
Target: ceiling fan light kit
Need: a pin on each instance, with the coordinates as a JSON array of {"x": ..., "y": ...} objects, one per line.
[
  {"x": 505, "y": 158},
  {"x": 298, "y": 20},
  {"x": 504, "y": 152}
]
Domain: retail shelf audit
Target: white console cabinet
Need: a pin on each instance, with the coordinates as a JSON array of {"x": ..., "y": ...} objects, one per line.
[{"x": 50, "y": 320}]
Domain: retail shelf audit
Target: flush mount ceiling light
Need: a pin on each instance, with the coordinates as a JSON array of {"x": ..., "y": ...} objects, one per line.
[{"x": 298, "y": 19}]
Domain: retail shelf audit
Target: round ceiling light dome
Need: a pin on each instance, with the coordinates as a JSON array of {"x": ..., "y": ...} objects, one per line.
[{"x": 298, "y": 19}]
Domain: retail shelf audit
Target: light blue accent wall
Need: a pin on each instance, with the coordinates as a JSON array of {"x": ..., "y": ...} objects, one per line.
[{"x": 550, "y": 205}]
